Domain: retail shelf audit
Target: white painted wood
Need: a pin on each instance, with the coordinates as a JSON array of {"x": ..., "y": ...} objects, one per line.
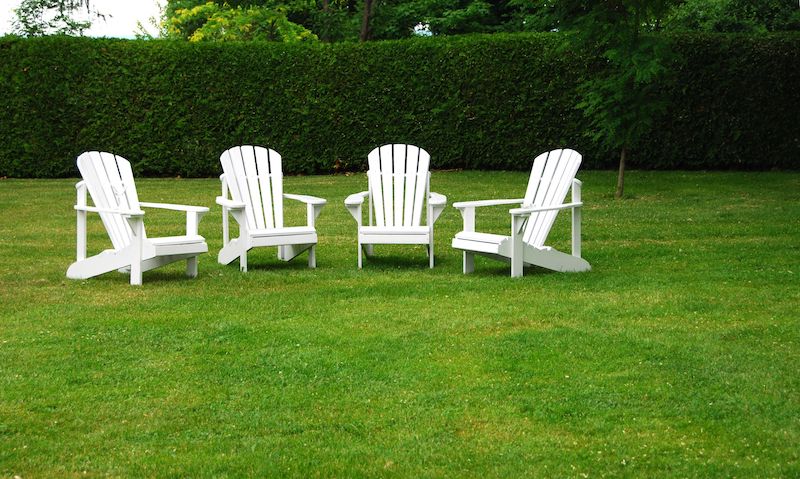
[
  {"x": 191, "y": 267},
  {"x": 376, "y": 186},
  {"x": 398, "y": 191},
  {"x": 81, "y": 223},
  {"x": 576, "y": 218},
  {"x": 109, "y": 181},
  {"x": 265, "y": 182},
  {"x": 137, "y": 240},
  {"x": 422, "y": 187},
  {"x": 517, "y": 224},
  {"x": 253, "y": 178},
  {"x": 412, "y": 166},
  {"x": 552, "y": 175},
  {"x": 399, "y": 177},
  {"x": 276, "y": 171},
  {"x": 225, "y": 224},
  {"x": 386, "y": 184},
  {"x": 468, "y": 262},
  {"x": 552, "y": 190}
]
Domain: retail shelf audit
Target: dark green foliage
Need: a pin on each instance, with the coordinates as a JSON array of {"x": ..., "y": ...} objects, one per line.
[
  {"x": 624, "y": 99},
  {"x": 735, "y": 105},
  {"x": 47, "y": 17},
  {"x": 734, "y": 16},
  {"x": 488, "y": 102}
]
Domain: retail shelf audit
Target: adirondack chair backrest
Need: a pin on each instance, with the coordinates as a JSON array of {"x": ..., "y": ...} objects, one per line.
[
  {"x": 254, "y": 177},
  {"x": 109, "y": 180},
  {"x": 398, "y": 183},
  {"x": 551, "y": 178}
]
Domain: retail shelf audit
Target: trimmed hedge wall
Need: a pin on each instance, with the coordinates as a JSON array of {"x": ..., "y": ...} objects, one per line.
[{"x": 479, "y": 102}]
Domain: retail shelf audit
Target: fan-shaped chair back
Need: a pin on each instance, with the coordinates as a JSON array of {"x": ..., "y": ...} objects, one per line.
[
  {"x": 550, "y": 180},
  {"x": 399, "y": 181},
  {"x": 109, "y": 180},
  {"x": 254, "y": 176}
]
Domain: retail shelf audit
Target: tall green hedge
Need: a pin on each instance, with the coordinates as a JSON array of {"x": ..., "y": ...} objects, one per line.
[{"x": 481, "y": 102}]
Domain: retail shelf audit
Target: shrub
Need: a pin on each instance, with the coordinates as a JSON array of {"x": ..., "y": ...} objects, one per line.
[{"x": 479, "y": 102}]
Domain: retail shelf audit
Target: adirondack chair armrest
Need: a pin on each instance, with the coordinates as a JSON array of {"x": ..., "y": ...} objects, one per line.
[
  {"x": 479, "y": 203},
  {"x": 94, "y": 209},
  {"x": 172, "y": 207},
  {"x": 193, "y": 213},
  {"x": 313, "y": 205},
  {"x": 353, "y": 204},
  {"x": 356, "y": 199},
  {"x": 309, "y": 200},
  {"x": 467, "y": 209},
  {"x": 436, "y": 203},
  {"x": 437, "y": 200},
  {"x": 230, "y": 204},
  {"x": 537, "y": 209}
]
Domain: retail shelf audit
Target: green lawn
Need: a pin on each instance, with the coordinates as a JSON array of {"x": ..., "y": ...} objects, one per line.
[{"x": 678, "y": 355}]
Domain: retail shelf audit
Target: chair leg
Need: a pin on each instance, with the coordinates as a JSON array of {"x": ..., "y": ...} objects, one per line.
[
  {"x": 136, "y": 273},
  {"x": 312, "y": 257},
  {"x": 516, "y": 264},
  {"x": 136, "y": 242},
  {"x": 359, "y": 256},
  {"x": 469, "y": 262},
  {"x": 243, "y": 262},
  {"x": 430, "y": 254},
  {"x": 191, "y": 267},
  {"x": 517, "y": 223}
]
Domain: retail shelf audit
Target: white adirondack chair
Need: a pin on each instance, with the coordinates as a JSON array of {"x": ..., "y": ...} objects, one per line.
[
  {"x": 252, "y": 191},
  {"x": 109, "y": 180},
  {"x": 551, "y": 177},
  {"x": 399, "y": 187}
]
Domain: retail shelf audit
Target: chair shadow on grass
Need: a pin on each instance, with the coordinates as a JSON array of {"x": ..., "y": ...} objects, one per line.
[
  {"x": 389, "y": 261},
  {"x": 163, "y": 275},
  {"x": 389, "y": 257},
  {"x": 491, "y": 268},
  {"x": 265, "y": 259}
]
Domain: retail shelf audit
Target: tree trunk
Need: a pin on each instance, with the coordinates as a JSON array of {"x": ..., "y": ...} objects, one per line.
[
  {"x": 325, "y": 5},
  {"x": 621, "y": 175},
  {"x": 364, "y": 36}
]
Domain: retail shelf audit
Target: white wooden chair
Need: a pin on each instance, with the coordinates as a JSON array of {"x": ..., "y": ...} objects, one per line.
[
  {"x": 551, "y": 177},
  {"x": 399, "y": 187},
  {"x": 109, "y": 180},
  {"x": 252, "y": 192}
]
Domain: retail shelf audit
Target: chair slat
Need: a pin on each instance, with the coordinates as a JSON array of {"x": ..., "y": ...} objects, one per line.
[
  {"x": 126, "y": 174},
  {"x": 386, "y": 152},
  {"x": 250, "y": 169},
  {"x": 376, "y": 186},
  {"x": 412, "y": 160},
  {"x": 265, "y": 182},
  {"x": 276, "y": 173},
  {"x": 535, "y": 179},
  {"x": 399, "y": 157},
  {"x": 421, "y": 187},
  {"x": 240, "y": 177}
]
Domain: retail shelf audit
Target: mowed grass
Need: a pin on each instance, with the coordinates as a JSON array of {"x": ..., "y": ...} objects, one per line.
[{"x": 676, "y": 356}]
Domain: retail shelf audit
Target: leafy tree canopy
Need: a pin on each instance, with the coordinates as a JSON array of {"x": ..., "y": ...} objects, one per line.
[
  {"x": 213, "y": 22},
  {"x": 623, "y": 99},
  {"x": 46, "y": 17},
  {"x": 734, "y": 16}
]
